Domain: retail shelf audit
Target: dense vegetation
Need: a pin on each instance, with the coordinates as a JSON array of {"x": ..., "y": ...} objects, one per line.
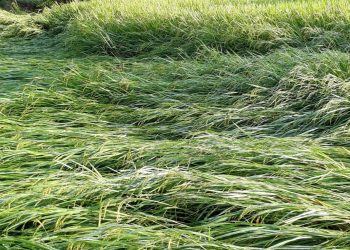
[
  {"x": 29, "y": 5},
  {"x": 187, "y": 124}
]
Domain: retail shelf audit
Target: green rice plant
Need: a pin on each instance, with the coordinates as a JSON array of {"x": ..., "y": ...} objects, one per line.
[
  {"x": 201, "y": 150},
  {"x": 12, "y": 25},
  {"x": 129, "y": 28}
]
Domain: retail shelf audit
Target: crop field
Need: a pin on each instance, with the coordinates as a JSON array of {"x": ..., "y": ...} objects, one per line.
[{"x": 175, "y": 124}]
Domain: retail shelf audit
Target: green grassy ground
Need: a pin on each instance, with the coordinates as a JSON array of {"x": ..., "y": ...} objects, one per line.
[{"x": 168, "y": 136}]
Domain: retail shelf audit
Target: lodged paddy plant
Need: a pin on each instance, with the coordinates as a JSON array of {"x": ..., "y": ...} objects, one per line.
[{"x": 180, "y": 124}]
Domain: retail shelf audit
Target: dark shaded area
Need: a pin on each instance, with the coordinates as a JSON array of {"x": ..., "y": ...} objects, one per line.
[{"x": 28, "y": 5}]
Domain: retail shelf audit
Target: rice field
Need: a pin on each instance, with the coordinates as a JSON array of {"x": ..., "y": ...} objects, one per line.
[{"x": 187, "y": 124}]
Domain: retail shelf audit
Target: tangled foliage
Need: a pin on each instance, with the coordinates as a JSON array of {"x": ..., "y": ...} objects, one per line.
[{"x": 29, "y": 5}]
